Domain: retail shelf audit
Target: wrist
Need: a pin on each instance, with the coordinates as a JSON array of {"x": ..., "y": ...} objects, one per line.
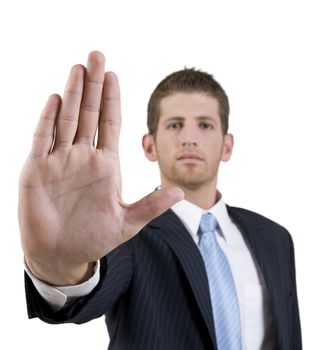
[{"x": 60, "y": 275}]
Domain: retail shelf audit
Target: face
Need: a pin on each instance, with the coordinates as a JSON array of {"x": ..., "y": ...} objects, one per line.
[{"x": 188, "y": 143}]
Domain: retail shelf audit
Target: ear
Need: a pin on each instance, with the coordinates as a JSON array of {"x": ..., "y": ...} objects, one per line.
[
  {"x": 227, "y": 147},
  {"x": 149, "y": 147}
]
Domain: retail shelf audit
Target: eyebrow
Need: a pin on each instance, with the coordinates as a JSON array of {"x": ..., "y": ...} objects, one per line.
[{"x": 180, "y": 118}]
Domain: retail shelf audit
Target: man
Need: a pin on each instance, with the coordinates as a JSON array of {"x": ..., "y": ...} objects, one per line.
[{"x": 201, "y": 275}]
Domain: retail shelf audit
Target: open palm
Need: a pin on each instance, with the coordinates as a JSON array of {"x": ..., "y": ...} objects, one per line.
[{"x": 70, "y": 208}]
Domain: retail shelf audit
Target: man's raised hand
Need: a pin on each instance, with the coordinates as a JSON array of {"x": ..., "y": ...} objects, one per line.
[{"x": 70, "y": 208}]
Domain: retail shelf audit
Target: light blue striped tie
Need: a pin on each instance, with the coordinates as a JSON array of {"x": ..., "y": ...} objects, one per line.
[{"x": 222, "y": 289}]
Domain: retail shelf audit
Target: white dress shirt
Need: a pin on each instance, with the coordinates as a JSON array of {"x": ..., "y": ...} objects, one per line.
[{"x": 255, "y": 314}]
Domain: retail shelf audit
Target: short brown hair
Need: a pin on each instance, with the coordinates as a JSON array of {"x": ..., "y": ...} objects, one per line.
[{"x": 187, "y": 80}]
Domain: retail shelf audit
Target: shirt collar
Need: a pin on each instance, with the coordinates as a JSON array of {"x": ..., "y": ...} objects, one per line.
[{"x": 190, "y": 214}]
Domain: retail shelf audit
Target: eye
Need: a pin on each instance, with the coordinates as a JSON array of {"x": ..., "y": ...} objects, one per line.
[
  {"x": 175, "y": 125},
  {"x": 205, "y": 125}
]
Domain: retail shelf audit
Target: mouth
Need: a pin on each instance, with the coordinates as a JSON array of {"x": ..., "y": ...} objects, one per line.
[{"x": 190, "y": 157}]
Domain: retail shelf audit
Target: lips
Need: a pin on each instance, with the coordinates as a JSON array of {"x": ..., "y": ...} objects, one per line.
[{"x": 189, "y": 156}]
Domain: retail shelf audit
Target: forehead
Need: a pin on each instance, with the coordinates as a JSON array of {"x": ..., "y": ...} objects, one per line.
[{"x": 185, "y": 104}]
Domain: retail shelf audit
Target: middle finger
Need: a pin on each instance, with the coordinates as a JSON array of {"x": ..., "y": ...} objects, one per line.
[{"x": 92, "y": 96}]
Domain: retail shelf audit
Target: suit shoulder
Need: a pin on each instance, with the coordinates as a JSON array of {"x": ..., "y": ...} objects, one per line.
[{"x": 253, "y": 217}]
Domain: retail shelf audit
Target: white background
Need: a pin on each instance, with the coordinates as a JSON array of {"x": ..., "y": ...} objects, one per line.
[{"x": 273, "y": 59}]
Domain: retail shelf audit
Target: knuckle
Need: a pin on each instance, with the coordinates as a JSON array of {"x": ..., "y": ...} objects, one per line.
[
  {"x": 111, "y": 122},
  {"x": 68, "y": 118},
  {"x": 64, "y": 144},
  {"x": 94, "y": 82},
  {"x": 91, "y": 108},
  {"x": 42, "y": 135},
  {"x": 152, "y": 206},
  {"x": 86, "y": 140},
  {"x": 38, "y": 155},
  {"x": 73, "y": 92}
]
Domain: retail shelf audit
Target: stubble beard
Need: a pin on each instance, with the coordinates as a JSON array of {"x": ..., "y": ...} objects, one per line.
[{"x": 189, "y": 177}]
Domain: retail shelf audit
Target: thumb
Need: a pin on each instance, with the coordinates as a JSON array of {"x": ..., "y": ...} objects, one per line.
[{"x": 139, "y": 214}]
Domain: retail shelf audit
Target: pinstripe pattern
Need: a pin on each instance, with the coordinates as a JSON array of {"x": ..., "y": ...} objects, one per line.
[
  {"x": 222, "y": 289},
  {"x": 154, "y": 289}
]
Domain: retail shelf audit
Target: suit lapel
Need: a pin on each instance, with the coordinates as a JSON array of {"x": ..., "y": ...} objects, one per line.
[{"x": 180, "y": 241}]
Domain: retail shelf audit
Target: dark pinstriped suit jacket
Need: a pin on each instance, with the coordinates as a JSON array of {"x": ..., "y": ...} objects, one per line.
[{"x": 154, "y": 289}]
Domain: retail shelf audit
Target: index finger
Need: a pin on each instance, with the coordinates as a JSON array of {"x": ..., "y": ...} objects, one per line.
[{"x": 110, "y": 119}]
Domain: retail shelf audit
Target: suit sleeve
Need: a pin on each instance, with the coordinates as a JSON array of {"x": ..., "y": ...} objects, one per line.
[
  {"x": 296, "y": 339},
  {"x": 115, "y": 276}
]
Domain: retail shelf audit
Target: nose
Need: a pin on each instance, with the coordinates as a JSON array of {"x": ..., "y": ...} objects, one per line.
[
  {"x": 189, "y": 135},
  {"x": 189, "y": 143}
]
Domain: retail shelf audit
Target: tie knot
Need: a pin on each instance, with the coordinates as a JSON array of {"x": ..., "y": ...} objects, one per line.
[{"x": 208, "y": 223}]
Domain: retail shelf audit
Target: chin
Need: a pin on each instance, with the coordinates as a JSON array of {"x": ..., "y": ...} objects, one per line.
[
  {"x": 191, "y": 179},
  {"x": 191, "y": 182}
]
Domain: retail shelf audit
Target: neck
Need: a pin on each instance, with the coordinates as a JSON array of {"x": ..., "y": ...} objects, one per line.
[
  {"x": 200, "y": 198},
  {"x": 204, "y": 196}
]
